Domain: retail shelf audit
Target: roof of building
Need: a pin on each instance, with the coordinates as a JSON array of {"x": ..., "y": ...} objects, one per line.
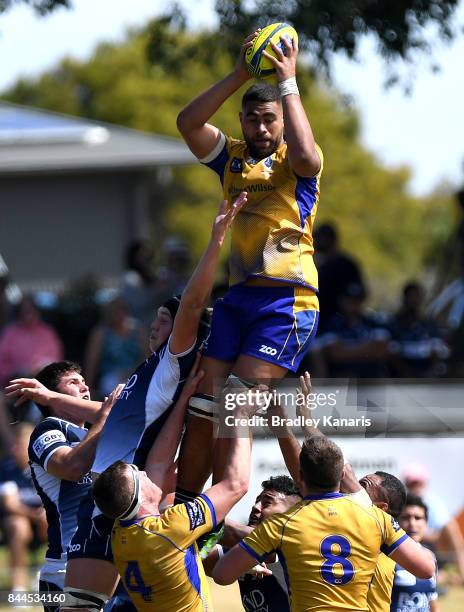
[{"x": 34, "y": 140}]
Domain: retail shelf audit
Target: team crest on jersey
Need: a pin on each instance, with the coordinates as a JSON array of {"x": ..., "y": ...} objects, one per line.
[
  {"x": 195, "y": 513},
  {"x": 395, "y": 524},
  {"x": 267, "y": 171},
  {"x": 236, "y": 165}
]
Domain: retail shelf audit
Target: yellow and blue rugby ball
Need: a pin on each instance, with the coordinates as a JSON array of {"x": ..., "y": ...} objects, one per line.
[{"x": 258, "y": 65}]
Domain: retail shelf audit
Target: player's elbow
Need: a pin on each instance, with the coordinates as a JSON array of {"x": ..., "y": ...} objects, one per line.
[
  {"x": 75, "y": 469},
  {"x": 183, "y": 122},
  {"x": 426, "y": 569}
]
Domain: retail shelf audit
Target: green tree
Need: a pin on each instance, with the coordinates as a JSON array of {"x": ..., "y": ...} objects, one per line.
[
  {"x": 144, "y": 82},
  {"x": 328, "y": 26},
  {"x": 41, "y": 6}
]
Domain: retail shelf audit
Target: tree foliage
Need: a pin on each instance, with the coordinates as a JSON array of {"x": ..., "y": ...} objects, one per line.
[
  {"x": 41, "y": 6},
  {"x": 144, "y": 82},
  {"x": 327, "y": 26}
]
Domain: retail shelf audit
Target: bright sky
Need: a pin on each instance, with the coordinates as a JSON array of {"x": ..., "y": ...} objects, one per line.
[{"x": 424, "y": 130}]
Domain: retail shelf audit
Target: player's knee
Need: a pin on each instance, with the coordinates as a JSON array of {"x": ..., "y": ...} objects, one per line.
[{"x": 82, "y": 599}]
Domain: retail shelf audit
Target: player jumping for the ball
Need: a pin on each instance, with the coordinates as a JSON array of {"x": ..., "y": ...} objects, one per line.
[{"x": 264, "y": 324}]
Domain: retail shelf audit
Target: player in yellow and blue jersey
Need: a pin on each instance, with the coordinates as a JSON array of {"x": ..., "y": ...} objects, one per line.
[
  {"x": 328, "y": 544},
  {"x": 265, "y": 323},
  {"x": 156, "y": 554}
]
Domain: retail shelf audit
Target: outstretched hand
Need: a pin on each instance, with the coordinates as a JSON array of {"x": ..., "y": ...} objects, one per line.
[
  {"x": 26, "y": 389},
  {"x": 225, "y": 216},
  {"x": 111, "y": 399}
]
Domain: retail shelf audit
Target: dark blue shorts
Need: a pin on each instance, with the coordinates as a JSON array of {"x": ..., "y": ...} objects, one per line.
[
  {"x": 274, "y": 324},
  {"x": 92, "y": 539}
]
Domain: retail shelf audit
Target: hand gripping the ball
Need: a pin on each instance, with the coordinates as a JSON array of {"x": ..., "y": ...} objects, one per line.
[{"x": 283, "y": 62}]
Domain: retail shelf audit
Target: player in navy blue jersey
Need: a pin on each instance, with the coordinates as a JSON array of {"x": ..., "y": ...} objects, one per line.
[
  {"x": 260, "y": 591},
  {"x": 139, "y": 415},
  {"x": 61, "y": 452}
]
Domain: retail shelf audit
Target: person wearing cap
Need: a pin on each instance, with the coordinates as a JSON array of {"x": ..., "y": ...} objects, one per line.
[
  {"x": 138, "y": 417},
  {"x": 443, "y": 532}
]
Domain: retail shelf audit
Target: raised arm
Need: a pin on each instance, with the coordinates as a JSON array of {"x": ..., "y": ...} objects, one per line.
[
  {"x": 162, "y": 454},
  {"x": 235, "y": 480},
  {"x": 71, "y": 463},
  {"x": 302, "y": 153},
  {"x": 30, "y": 389},
  {"x": 192, "y": 122},
  {"x": 199, "y": 287},
  {"x": 289, "y": 445}
]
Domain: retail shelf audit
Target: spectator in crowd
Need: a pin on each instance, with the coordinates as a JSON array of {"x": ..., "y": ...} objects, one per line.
[
  {"x": 411, "y": 593},
  {"x": 138, "y": 283},
  {"x": 22, "y": 513},
  {"x": 336, "y": 272},
  {"x": 27, "y": 344},
  {"x": 355, "y": 344},
  {"x": 417, "y": 348},
  {"x": 443, "y": 533},
  {"x": 6, "y": 437},
  {"x": 5, "y": 306},
  {"x": 174, "y": 275},
  {"x": 114, "y": 348}
]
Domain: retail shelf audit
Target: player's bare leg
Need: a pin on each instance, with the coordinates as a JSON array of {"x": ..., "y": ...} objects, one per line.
[
  {"x": 196, "y": 451},
  {"x": 252, "y": 370},
  {"x": 92, "y": 576}
]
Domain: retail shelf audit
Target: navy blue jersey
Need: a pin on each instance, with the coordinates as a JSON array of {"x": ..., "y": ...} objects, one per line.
[
  {"x": 15, "y": 480},
  {"x": 61, "y": 498},
  {"x": 411, "y": 594},
  {"x": 268, "y": 594},
  {"x": 143, "y": 407}
]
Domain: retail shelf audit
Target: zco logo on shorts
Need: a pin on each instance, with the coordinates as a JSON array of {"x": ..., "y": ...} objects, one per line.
[
  {"x": 46, "y": 440},
  {"x": 74, "y": 548},
  {"x": 267, "y": 350}
]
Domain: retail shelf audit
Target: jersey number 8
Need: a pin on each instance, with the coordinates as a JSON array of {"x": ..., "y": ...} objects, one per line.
[{"x": 339, "y": 558}]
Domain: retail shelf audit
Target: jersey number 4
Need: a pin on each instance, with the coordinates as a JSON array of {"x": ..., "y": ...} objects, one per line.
[
  {"x": 134, "y": 581},
  {"x": 339, "y": 558}
]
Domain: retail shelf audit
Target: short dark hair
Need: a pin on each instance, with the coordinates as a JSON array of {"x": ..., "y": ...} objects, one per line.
[
  {"x": 415, "y": 500},
  {"x": 172, "y": 304},
  {"x": 395, "y": 491},
  {"x": 282, "y": 484},
  {"x": 321, "y": 462},
  {"x": 261, "y": 92},
  {"x": 51, "y": 375},
  {"x": 110, "y": 490}
]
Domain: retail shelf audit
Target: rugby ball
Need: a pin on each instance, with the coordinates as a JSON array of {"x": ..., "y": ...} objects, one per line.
[{"x": 258, "y": 65}]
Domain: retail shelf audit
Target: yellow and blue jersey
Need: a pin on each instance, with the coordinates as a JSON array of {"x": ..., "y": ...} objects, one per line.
[
  {"x": 328, "y": 546},
  {"x": 380, "y": 590},
  {"x": 271, "y": 237},
  {"x": 157, "y": 557}
]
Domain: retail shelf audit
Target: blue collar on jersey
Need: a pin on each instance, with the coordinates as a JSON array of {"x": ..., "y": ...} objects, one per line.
[
  {"x": 331, "y": 495},
  {"x": 130, "y": 522}
]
